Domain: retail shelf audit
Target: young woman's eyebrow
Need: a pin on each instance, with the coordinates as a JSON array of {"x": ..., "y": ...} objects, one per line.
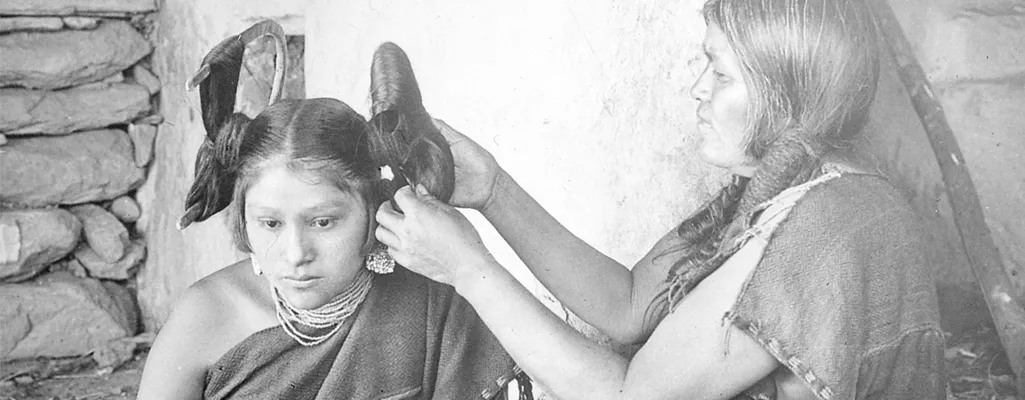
[{"x": 329, "y": 206}]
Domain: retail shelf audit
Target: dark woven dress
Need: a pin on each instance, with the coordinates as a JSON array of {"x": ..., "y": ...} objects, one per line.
[{"x": 411, "y": 339}]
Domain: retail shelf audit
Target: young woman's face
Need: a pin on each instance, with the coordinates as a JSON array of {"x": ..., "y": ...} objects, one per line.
[
  {"x": 305, "y": 233},
  {"x": 723, "y": 109}
]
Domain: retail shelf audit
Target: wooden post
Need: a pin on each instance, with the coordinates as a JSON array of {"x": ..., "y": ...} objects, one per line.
[{"x": 983, "y": 254}]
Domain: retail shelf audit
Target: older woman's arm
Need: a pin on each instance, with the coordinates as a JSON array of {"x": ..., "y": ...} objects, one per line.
[
  {"x": 597, "y": 288},
  {"x": 693, "y": 352}
]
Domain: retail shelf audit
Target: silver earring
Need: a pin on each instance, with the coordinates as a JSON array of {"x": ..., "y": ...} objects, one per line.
[
  {"x": 378, "y": 260},
  {"x": 256, "y": 266}
]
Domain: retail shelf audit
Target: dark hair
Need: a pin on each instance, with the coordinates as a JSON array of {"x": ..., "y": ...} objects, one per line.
[
  {"x": 405, "y": 138},
  {"x": 811, "y": 67},
  {"x": 322, "y": 135}
]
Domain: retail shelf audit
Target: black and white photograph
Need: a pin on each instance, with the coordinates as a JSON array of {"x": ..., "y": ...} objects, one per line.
[{"x": 512, "y": 200}]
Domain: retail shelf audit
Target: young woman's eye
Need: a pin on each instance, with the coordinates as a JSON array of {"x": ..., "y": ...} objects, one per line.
[
  {"x": 270, "y": 223},
  {"x": 323, "y": 222}
]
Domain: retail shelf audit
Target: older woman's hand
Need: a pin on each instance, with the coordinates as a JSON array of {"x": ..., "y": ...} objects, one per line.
[
  {"x": 475, "y": 168},
  {"x": 430, "y": 237}
]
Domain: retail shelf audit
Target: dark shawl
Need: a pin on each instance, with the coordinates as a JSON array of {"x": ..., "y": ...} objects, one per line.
[{"x": 411, "y": 339}]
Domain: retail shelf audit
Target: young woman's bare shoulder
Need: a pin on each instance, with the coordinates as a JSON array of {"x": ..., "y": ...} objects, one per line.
[
  {"x": 218, "y": 311},
  {"x": 202, "y": 327}
]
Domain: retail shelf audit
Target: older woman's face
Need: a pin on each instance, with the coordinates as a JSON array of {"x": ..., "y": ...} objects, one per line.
[
  {"x": 723, "y": 109},
  {"x": 305, "y": 233}
]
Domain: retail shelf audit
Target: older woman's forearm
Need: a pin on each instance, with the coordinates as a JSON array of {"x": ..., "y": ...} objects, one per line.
[
  {"x": 549, "y": 350},
  {"x": 595, "y": 287}
]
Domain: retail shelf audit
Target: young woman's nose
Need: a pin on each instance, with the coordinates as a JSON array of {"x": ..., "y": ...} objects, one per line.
[{"x": 298, "y": 247}]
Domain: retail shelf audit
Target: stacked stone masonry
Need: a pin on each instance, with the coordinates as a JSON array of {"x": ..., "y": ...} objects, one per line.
[{"x": 76, "y": 137}]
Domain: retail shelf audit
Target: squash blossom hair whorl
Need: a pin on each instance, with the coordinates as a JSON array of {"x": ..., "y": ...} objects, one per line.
[
  {"x": 404, "y": 136},
  {"x": 217, "y": 161},
  {"x": 811, "y": 68}
]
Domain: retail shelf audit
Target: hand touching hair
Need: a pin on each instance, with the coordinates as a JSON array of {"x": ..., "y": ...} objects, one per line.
[{"x": 404, "y": 136}]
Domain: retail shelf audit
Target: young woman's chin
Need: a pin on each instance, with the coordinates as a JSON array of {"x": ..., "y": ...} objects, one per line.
[{"x": 306, "y": 297}]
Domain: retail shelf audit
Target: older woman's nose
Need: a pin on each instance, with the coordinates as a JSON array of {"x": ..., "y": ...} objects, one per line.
[{"x": 702, "y": 87}]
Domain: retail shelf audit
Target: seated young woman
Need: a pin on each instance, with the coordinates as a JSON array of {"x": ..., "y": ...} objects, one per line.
[{"x": 318, "y": 310}]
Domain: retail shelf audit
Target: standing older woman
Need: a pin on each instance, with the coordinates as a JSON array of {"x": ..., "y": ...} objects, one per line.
[{"x": 803, "y": 278}]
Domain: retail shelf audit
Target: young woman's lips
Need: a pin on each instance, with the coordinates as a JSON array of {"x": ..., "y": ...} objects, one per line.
[{"x": 301, "y": 282}]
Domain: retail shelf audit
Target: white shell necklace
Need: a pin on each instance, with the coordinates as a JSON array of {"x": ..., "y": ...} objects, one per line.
[{"x": 330, "y": 315}]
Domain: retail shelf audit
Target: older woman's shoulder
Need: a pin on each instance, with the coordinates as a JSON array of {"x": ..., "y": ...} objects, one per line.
[{"x": 852, "y": 199}]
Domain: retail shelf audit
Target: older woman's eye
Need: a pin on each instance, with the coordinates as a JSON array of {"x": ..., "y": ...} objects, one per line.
[{"x": 721, "y": 77}]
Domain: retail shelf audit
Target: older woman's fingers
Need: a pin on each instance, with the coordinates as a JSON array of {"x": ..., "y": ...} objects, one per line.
[
  {"x": 409, "y": 201},
  {"x": 387, "y": 216},
  {"x": 387, "y": 237}
]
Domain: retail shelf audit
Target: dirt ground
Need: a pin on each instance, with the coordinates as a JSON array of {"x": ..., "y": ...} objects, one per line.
[
  {"x": 85, "y": 382},
  {"x": 976, "y": 368}
]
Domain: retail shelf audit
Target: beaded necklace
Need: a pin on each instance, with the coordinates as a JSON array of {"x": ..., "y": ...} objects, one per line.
[{"x": 330, "y": 315}]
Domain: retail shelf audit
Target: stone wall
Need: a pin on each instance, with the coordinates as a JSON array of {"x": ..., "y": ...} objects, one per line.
[{"x": 77, "y": 128}]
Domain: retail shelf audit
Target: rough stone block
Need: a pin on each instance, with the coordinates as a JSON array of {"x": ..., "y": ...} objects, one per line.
[
  {"x": 146, "y": 78},
  {"x": 65, "y": 111},
  {"x": 69, "y": 316},
  {"x": 104, "y": 83},
  {"x": 142, "y": 140},
  {"x": 16, "y": 327},
  {"x": 80, "y": 22},
  {"x": 154, "y": 119},
  {"x": 13, "y": 24},
  {"x": 73, "y": 7},
  {"x": 44, "y": 235},
  {"x": 125, "y": 209},
  {"x": 67, "y": 58},
  {"x": 987, "y": 120},
  {"x": 121, "y": 269},
  {"x": 102, "y": 231},
  {"x": 71, "y": 169},
  {"x": 10, "y": 241}
]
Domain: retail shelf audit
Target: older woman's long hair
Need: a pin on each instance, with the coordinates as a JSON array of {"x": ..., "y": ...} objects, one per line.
[
  {"x": 811, "y": 68},
  {"x": 405, "y": 138}
]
